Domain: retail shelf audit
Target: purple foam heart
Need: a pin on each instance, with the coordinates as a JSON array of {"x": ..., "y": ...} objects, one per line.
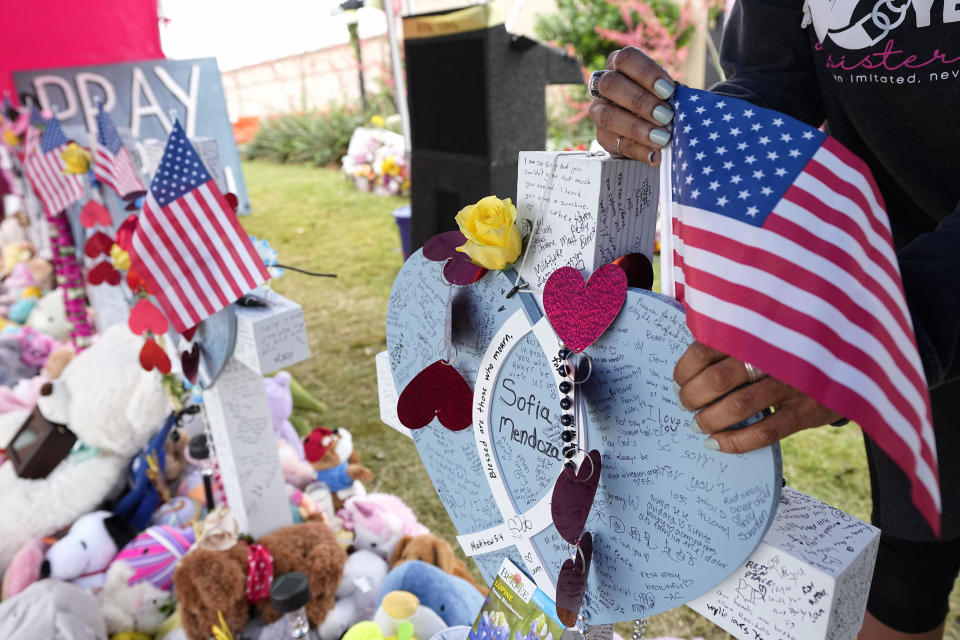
[
  {"x": 580, "y": 312},
  {"x": 458, "y": 268},
  {"x": 439, "y": 391},
  {"x": 639, "y": 270},
  {"x": 572, "y": 582},
  {"x": 573, "y": 496}
]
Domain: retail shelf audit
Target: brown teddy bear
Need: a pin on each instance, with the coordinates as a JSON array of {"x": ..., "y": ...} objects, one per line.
[
  {"x": 337, "y": 465},
  {"x": 432, "y": 550},
  {"x": 210, "y": 581}
]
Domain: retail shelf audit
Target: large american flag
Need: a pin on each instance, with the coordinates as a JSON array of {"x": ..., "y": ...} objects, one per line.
[
  {"x": 44, "y": 166},
  {"x": 189, "y": 247},
  {"x": 782, "y": 256},
  {"x": 112, "y": 164}
]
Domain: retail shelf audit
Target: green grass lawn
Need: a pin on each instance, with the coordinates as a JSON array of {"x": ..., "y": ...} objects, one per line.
[{"x": 318, "y": 221}]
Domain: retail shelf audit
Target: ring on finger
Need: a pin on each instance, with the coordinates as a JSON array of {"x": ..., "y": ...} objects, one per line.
[
  {"x": 594, "y": 84},
  {"x": 753, "y": 373},
  {"x": 616, "y": 147}
]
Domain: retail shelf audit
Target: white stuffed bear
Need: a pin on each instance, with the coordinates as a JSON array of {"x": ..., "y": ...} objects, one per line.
[
  {"x": 363, "y": 574},
  {"x": 49, "y": 316},
  {"x": 111, "y": 404},
  {"x": 141, "y": 607}
]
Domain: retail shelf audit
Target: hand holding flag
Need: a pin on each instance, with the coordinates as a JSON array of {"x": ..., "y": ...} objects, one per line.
[{"x": 778, "y": 245}]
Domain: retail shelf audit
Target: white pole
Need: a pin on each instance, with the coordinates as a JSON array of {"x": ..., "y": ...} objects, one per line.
[{"x": 400, "y": 86}]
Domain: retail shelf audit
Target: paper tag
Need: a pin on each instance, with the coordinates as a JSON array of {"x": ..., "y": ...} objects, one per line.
[{"x": 388, "y": 395}]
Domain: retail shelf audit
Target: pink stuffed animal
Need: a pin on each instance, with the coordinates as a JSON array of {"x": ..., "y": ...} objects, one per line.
[
  {"x": 22, "y": 395},
  {"x": 24, "y": 568},
  {"x": 35, "y": 347},
  {"x": 378, "y": 521}
]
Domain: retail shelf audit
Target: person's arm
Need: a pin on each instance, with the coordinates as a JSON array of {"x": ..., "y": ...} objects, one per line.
[
  {"x": 930, "y": 266},
  {"x": 768, "y": 61}
]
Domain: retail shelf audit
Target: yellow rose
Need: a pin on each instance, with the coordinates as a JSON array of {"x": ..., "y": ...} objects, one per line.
[
  {"x": 121, "y": 259},
  {"x": 76, "y": 159},
  {"x": 493, "y": 240},
  {"x": 10, "y": 138}
]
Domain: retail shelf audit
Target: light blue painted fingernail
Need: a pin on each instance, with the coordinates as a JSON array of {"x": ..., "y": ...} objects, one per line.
[
  {"x": 676, "y": 389},
  {"x": 711, "y": 444},
  {"x": 695, "y": 426},
  {"x": 663, "y": 88},
  {"x": 662, "y": 114},
  {"x": 659, "y": 136}
]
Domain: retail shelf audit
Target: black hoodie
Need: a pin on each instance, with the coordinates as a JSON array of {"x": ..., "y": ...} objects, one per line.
[{"x": 884, "y": 76}]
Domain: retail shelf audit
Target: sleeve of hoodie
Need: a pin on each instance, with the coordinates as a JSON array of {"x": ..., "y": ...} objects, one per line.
[{"x": 768, "y": 61}]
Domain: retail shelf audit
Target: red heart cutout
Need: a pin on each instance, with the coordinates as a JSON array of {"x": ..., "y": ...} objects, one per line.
[
  {"x": 231, "y": 200},
  {"x": 97, "y": 244},
  {"x": 580, "y": 312},
  {"x": 136, "y": 283},
  {"x": 125, "y": 232},
  {"x": 189, "y": 333},
  {"x": 439, "y": 391},
  {"x": 573, "y": 496},
  {"x": 146, "y": 317},
  {"x": 190, "y": 362},
  {"x": 152, "y": 356},
  {"x": 94, "y": 213},
  {"x": 104, "y": 272}
]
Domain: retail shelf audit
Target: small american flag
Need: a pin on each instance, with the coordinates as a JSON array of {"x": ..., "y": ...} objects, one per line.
[
  {"x": 782, "y": 256},
  {"x": 112, "y": 164},
  {"x": 189, "y": 247},
  {"x": 44, "y": 166}
]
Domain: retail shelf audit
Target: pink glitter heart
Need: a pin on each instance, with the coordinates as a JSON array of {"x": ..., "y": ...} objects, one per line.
[{"x": 579, "y": 312}]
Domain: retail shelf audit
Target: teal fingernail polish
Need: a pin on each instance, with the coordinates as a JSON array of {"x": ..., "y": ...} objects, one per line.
[
  {"x": 663, "y": 88},
  {"x": 659, "y": 136},
  {"x": 711, "y": 444},
  {"x": 662, "y": 114},
  {"x": 695, "y": 426}
]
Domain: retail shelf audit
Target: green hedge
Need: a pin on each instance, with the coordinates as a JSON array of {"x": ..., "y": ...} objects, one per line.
[{"x": 318, "y": 137}]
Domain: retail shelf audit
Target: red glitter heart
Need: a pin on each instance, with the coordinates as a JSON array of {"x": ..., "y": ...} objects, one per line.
[
  {"x": 580, "y": 312},
  {"x": 439, "y": 391}
]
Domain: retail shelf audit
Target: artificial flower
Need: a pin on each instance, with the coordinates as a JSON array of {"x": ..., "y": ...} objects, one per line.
[
  {"x": 378, "y": 121},
  {"x": 76, "y": 159},
  {"x": 493, "y": 240},
  {"x": 121, "y": 259},
  {"x": 10, "y": 138}
]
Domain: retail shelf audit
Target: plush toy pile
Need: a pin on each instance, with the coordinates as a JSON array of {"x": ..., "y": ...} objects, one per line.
[
  {"x": 119, "y": 540},
  {"x": 114, "y": 523}
]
